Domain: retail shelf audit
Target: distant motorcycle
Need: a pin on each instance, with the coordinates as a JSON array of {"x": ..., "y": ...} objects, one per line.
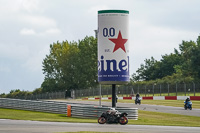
[
  {"x": 188, "y": 105},
  {"x": 113, "y": 116},
  {"x": 138, "y": 100}
]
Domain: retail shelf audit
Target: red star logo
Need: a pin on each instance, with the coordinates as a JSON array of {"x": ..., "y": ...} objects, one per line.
[{"x": 119, "y": 42}]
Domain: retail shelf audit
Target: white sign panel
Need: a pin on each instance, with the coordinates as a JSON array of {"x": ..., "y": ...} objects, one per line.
[{"x": 113, "y": 50}]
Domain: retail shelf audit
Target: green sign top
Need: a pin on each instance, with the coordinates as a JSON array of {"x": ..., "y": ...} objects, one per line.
[{"x": 113, "y": 11}]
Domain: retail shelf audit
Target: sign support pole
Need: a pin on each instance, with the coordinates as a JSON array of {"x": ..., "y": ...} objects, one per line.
[
  {"x": 113, "y": 95},
  {"x": 100, "y": 95}
]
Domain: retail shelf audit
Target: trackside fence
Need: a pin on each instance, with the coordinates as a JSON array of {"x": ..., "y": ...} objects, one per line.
[
  {"x": 70, "y": 109},
  {"x": 155, "y": 89},
  {"x": 165, "y": 89}
]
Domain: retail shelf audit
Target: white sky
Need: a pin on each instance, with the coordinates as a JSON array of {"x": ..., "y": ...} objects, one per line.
[{"x": 28, "y": 27}]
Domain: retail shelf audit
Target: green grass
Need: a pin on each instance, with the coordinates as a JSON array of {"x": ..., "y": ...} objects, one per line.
[
  {"x": 165, "y": 119},
  {"x": 39, "y": 116},
  {"x": 145, "y": 118}
]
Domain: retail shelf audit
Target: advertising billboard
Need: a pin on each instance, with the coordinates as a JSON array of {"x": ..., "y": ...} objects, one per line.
[{"x": 113, "y": 46}]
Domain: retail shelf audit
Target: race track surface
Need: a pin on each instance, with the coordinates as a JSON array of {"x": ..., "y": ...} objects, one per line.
[
  {"x": 21, "y": 126},
  {"x": 146, "y": 107}
]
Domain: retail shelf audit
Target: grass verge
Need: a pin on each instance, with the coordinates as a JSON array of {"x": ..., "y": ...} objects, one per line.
[
  {"x": 39, "y": 116},
  {"x": 174, "y": 103},
  {"x": 145, "y": 118},
  {"x": 166, "y": 119}
]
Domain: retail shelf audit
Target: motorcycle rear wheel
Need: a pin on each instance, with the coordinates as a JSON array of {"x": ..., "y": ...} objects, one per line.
[
  {"x": 102, "y": 120},
  {"x": 123, "y": 120}
]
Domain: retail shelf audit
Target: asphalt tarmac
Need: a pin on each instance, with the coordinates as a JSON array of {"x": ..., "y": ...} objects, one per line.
[
  {"x": 21, "y": 126},
  {"x": 146, "y": 107}
]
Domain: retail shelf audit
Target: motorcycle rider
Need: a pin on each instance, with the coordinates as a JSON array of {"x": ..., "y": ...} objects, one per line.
[
  {"x": 137, "y": 98},
  {"x": 137, "y": 95},
  {"x": 187, "y": 100},
  {"x": 116, "y": 98},
  {"x": 112, "y": 111}
]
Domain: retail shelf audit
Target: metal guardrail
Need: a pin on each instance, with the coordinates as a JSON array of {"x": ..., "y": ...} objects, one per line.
[
  {"x": 77, "y": 110},
  {"x": 96, "y": 111},
  {"x": 32, "y": 105}
]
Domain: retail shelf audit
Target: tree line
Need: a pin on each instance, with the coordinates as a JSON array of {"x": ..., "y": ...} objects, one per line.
[
  {"x": 183, "y": 65},
  {"x": 73, "y": 65},
  {"x": 17, "y": 93}
]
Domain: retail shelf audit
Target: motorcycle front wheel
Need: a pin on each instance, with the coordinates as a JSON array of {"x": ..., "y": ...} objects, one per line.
[
  {"x": 123, "y": 120},
  {"x": 185, "y": 107},
  {"x": 102, "y": 120}
]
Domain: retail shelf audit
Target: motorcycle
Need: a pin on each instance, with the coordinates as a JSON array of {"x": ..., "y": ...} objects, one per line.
[
  {"x": 188, "y": 105},
  {"x": 113, "y": 116},
  {"x": 138, "y": 100}
]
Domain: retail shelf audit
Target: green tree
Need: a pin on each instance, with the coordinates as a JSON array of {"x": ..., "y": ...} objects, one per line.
[
  {"x": 167, "y": 64},
  {"x": 186, "y": 61},
  {"x": 17, "y": 94},
  {"x": 87, "y": 62},
  {"x": 146, "y": 71},
  {"x": 186, "y": 49},
  {"x": 195, "y": 59},
  {"x": 71, "y": 65},
  {"x": 37, "y": 91}
]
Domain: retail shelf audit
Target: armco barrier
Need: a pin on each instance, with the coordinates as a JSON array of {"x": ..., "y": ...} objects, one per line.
[
  {"x": 71, "y": 110},
  {"x": 96, "y": 111},
  {"x": 42, "y": 106}
]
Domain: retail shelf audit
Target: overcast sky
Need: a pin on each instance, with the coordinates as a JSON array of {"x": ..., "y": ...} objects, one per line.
[{"x": 28, "y": 27}]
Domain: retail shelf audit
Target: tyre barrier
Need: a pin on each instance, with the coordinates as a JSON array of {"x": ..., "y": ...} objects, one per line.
[{"x": 70, "y": 109}]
